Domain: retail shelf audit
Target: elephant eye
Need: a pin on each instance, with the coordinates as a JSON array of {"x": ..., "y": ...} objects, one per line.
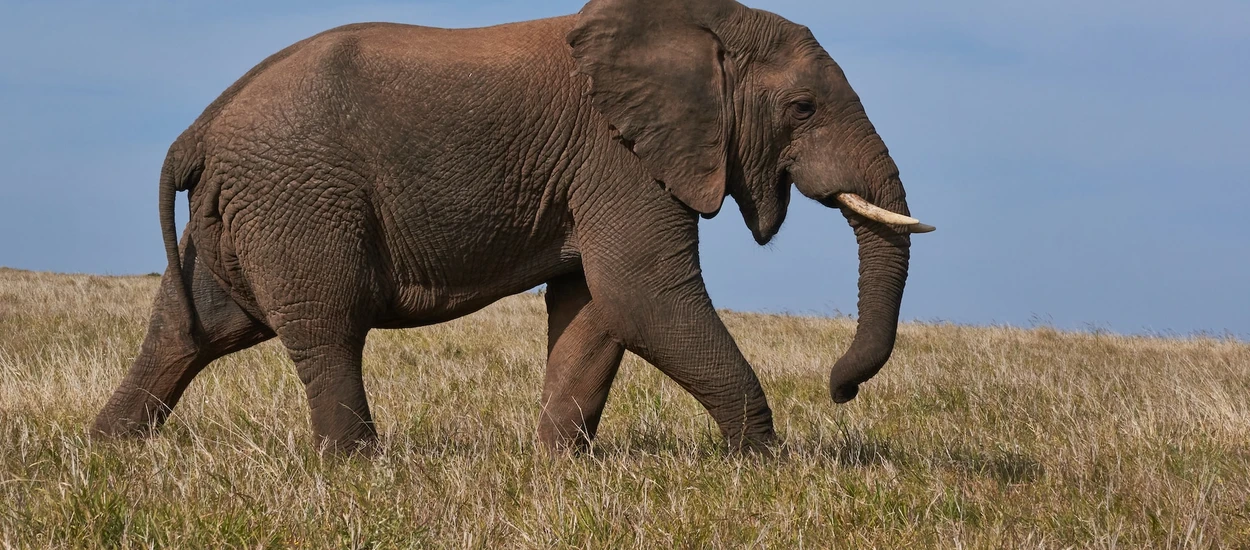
[{"x": 803, "y": 110}]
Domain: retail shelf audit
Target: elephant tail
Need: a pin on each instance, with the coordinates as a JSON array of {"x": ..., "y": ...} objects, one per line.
[{"x": 181, "y": 172}]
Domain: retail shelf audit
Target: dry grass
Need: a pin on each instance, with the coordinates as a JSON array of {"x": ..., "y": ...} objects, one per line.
[{"x": 979, "y": 437}]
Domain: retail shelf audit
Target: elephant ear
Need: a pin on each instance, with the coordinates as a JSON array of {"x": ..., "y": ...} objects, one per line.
[{"x": 657, "y": 72}]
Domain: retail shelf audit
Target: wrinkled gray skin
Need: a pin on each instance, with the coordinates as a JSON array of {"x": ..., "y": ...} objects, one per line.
[{"x": 387, "y": 176}]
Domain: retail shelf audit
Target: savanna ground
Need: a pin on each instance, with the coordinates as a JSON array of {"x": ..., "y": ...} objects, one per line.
[{"x": 975, "y": 437}]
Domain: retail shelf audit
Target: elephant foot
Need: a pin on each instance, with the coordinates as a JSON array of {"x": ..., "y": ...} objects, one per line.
[
  {"x": 130, "y": 414},
  {"x": 361, "y": 448},
  {"x": 760, "y": 442},
  {"x": 112, "y": 426},
  {"x": 360, "y": 441},
  {"x": 557, "y": 443},
  {"x": 762, "y": 448}
]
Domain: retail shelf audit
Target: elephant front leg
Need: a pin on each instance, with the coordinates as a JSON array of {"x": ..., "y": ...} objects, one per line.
[
  {"x": 582, "y": 361},
  {"x": 687, "y": 341},
  {"x": 657, "y": 305}
]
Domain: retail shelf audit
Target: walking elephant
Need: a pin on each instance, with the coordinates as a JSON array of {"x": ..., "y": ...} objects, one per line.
[{"x": 388, "y": 176}]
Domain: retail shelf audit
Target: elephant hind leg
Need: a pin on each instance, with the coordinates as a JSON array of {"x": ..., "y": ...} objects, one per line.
[
  {"x": 170, "y": 358},
  {"x": 582, "y": 361},
  {"x": 329, "y": 365},
  {"x": 322, "y": 305}
]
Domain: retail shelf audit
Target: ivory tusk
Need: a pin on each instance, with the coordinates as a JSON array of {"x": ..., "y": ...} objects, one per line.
[{"x": 878, "y": 214}]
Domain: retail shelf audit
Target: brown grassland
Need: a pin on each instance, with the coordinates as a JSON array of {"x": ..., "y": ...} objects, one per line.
[{"x": 971, "y": 437}]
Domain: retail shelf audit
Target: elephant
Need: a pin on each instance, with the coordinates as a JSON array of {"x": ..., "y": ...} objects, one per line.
[{"x": 382, "y": 175}]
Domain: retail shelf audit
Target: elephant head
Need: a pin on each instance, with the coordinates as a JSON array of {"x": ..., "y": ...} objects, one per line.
[{"x": 716, "y": 98}]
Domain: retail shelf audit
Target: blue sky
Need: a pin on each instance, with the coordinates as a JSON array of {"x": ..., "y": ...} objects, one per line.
[{"x": 1087, "y": 164}]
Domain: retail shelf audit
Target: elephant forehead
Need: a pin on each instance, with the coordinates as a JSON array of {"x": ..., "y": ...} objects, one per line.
[{"x": 806, "y": 70}]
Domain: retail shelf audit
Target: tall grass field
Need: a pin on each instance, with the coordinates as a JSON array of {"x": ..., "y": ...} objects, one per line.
[{"x": 971, "y": 437}]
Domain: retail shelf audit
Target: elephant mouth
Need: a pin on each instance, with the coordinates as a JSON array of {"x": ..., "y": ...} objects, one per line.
[
  {"x": 784, "y": 183},
  {"x": 782, "y": 196},
  {"x": 766, "y": 213}
]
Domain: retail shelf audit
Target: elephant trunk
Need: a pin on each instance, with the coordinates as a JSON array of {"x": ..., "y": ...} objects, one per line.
[
  {"x": 884, "y": 253},
  {"x": 883, "y": 260}
]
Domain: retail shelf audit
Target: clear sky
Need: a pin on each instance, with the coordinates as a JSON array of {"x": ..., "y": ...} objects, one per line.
[{"x": 1087, "y": 163}]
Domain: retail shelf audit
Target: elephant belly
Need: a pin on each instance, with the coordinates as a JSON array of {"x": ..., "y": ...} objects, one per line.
[
  {"x": 440, "y": 284},
  {"x": 465, "y": 235}
]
